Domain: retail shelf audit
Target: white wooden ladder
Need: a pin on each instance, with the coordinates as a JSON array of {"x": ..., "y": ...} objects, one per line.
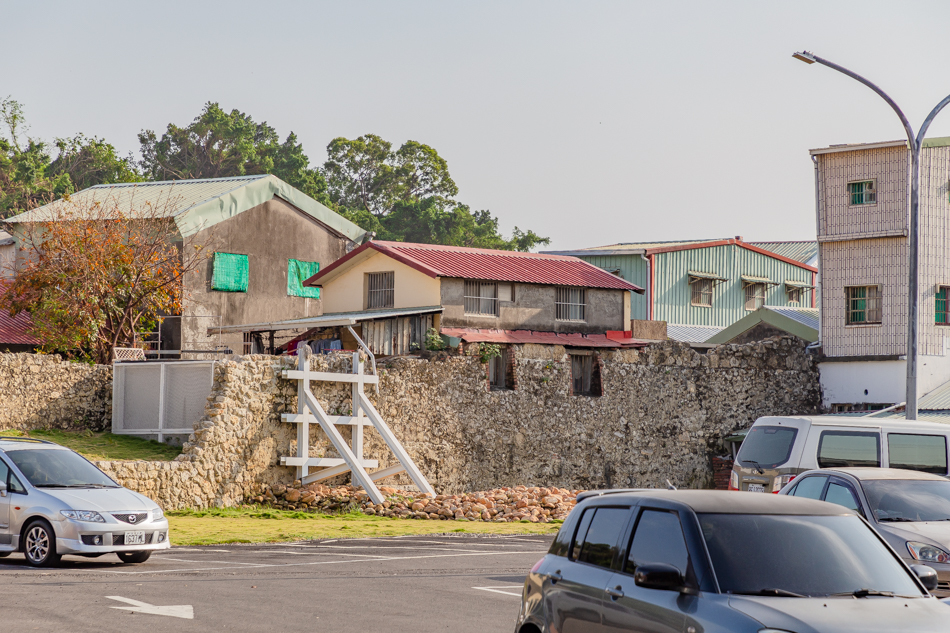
[{"x": 362, "y": 413}]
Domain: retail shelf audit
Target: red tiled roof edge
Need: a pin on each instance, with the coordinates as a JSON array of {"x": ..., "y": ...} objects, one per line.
[
  {"x": 15, "y": 330},
  {"x": 520, "y": 337}
]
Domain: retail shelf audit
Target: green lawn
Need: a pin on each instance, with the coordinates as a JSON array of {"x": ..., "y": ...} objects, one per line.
[
  {"x": 265, "y": 525},
  {"x": 104, "y": 445}
]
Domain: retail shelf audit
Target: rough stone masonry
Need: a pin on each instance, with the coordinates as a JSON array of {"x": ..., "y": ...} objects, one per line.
[{"x": 662, "y": 415}]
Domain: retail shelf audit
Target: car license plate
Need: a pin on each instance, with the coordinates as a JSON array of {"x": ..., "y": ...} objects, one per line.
[
  {"x": 135, "y": 538},
  {"x": 751, "y": 488}
]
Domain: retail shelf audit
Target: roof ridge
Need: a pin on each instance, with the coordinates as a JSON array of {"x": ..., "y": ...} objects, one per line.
[
  {"x": 469, "y": 249},
  {"x": 153, "y": 183}
]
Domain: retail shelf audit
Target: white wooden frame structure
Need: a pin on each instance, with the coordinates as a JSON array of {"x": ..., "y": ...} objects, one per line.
[{"x": 362, "y": 414}]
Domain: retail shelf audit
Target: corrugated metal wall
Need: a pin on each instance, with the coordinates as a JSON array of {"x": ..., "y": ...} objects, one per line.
[
  {"x": 633, "y": 269},
  {"x": 392, "y": 337},
  {"x": 673, "y": 292}
]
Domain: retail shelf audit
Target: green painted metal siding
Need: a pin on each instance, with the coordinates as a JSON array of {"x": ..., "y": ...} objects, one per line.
[
  {"x": 633, "y": 269},
  {"x": 673, "y": 293}
]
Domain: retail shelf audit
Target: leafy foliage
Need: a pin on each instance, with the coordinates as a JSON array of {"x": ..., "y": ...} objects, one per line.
[
  {"x": 434, "y": 340},
  {"x": 488, "y": 351},
  {"x": 218, "y": 144}
]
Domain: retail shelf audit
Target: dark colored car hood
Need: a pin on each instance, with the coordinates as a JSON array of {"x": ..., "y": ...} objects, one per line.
[{"x": 830, "y": 615}]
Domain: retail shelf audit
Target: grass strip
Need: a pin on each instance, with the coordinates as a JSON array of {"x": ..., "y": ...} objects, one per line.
[
  {"x": 265, "y": 525},
  {"x": 103, "y": 445}
]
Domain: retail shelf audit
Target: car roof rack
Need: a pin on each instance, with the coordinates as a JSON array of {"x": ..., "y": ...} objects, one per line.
[{"x": 14, "y": 438}]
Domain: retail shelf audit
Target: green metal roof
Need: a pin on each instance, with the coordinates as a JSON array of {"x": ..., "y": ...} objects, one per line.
[
  {"x": 801, "y": 322},
  {"x": 690, "y": 333},
  {"x": 194, "y": 204},
  {"x": 804, "y": 251},
  {"x": 939, "y": 398}
]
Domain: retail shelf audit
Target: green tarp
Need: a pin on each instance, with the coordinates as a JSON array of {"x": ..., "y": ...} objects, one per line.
[
  {"x": 297, "y": 273},
  {"x": 230, "y": 272}
]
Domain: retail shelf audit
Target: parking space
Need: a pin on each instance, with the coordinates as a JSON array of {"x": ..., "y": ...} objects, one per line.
[{"x": 419, "y": 584}]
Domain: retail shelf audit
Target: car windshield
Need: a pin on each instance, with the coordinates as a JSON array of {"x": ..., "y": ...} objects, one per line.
[
  {"x": 56, "y": 468},
  {"x": 908, "y": 500},
  {"x": 767, "y": 446},
  {"x": 804, "y": 555}
]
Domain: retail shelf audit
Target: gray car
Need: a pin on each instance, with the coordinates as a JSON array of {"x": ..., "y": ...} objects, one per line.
[
  {"x": 706, "y": 561},
  {"x": 54, "y": 502},
  {"x": 910, "y": 509}
]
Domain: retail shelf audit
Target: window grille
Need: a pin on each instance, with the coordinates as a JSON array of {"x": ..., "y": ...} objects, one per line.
[
  {"x": 863, "y": 192},
  {"x": 702, "y": 291},
  {"x": 481, "y": 298},
  {"x": 942, "y": 316},
  {"x": 571, "y": 304},
  {"x": 864, "y": 304},
  {"x": 794, "y": 295},
  {"x": 380, "y": 290},
  {"x": 585, "y": 375},
  {"x": 229, "y": 272},
  {"x": 754, "y": 296},
  {"x": 499, "y": 371}
]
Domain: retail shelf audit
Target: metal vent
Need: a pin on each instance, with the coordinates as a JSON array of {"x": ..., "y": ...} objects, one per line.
[{"x": 131, "y": 517}]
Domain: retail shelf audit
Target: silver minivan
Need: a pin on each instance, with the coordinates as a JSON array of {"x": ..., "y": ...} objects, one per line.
[
  {"x": 54, "y": 502},
  {"x": 776, "y": 449}
]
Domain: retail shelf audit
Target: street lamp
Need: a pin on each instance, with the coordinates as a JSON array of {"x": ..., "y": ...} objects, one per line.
[{"x": 915, "y": 142}]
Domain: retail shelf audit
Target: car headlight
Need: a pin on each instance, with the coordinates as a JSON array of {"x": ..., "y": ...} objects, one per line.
[
  {"x": 928, "y": 553},
  {"x": 83, "y": 515},
  {"x": 157, "y": 514}
]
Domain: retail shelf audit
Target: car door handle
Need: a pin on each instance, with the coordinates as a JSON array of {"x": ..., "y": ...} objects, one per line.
[
  {"x": 556, "y": 576},
  {"x": 615, "y": 594}
]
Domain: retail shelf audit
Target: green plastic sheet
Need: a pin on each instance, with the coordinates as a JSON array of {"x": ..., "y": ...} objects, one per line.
[
  {"x": 299, "y": 272},
  {"x": 230, "y": 272}
]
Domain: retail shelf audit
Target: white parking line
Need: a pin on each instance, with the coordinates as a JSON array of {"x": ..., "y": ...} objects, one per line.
[{"x": 499, "y": 589}]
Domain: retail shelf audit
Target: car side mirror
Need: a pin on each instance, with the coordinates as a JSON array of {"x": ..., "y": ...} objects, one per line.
[
  {"x": 927, "y": 576},
  {"x": 659, "y": 576},
  {"x": 3, "y": 489}
]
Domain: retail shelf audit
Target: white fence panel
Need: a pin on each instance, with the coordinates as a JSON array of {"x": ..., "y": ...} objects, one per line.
[{"x": 159, "y": 398}]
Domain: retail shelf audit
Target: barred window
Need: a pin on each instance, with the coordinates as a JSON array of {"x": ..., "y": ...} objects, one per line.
[
  {"x": 380, "y": 290},
  {"x": 585, "y": 375},
  {"x": 754, "y": 296},
  {"x": 794, "y": 295},
  {"x": 942, "y": 316},
  {"x": 864, "y": 304},
  {"x": 570, "y": 304},
  {"x": 499, "y": 370},
  {"x": 702, "y": 292},
  {"x": 481, "y": 298},
  {"x": 863, "y": 192}
]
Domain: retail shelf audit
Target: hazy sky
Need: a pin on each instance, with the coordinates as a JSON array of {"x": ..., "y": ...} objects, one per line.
[{"x": 589, "y": 122}]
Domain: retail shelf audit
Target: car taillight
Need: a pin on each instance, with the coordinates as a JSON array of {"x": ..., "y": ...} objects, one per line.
[
  {"x": 536, "y": 566},
  {"x": 780, "y": 482},
  {"x": 734, "y": 481}
]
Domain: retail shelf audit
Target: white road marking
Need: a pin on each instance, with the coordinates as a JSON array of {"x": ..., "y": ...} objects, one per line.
[
  {"x": 223, "y": 562},
  {"x": 322, "y": 562},
  {"x": 499, "y": 589},
  {"x": 183, "y": 611}
]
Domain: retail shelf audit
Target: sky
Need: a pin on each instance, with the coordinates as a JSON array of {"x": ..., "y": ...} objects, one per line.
[{"x": 591, "y": 122}]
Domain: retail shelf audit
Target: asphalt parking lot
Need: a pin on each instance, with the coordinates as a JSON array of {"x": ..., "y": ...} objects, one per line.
[{"x": 417, "y": 584}]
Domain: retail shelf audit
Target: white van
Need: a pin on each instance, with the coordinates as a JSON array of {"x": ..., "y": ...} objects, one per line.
[{"x": 777, "y": 449}]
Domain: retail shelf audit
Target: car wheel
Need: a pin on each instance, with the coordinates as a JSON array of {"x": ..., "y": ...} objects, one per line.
[
  {"x": 39, "y": 544},
  {"x": 133, "y": 557}
]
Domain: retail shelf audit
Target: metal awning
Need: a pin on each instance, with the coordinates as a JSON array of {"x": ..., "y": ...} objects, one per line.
[
  {"x": 695, "y": 276},
  {"x": 797, "y": 284},
  {"x": 337, "y": 319},
  {"x": 752, "y": 279}
]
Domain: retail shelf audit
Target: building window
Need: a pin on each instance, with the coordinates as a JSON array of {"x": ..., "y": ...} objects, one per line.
[
  {"x": 481, "y": 298},
  {"x": 754, "y": 296},
  {"x": 702, "y": 293},
  {"x": 570, "y": 304},
  {"x": 942, "y": 316},
  {"x": 794, "y": 295},
  {"x": 229, "y": 272},
  {"x": 380, "y": 290},
  {"x": 585, "y": 375},
  {"x": 863, "y": 192},
  {"x": 500, "y": 370},
  {"x": 299, "y": 272},
  {"x": 864, "y": 304}
]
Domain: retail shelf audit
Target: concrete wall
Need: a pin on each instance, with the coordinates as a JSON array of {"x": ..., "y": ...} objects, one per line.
[
  {"x": 346, "y": 292},
  {"x": 534, "y": 309},
  {"x": 270, "y": 234},
  {"x": 845, "y": 382}
]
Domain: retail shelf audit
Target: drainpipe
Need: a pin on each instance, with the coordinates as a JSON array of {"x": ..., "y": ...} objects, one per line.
[
  {"x": 649, "y": 284},
  {"x": 817, "y": 289}
]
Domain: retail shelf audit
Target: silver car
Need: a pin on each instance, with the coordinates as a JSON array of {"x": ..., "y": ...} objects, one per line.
[
  {"x": 54, "y": 502},
  {"x": 910, "y": 509}
]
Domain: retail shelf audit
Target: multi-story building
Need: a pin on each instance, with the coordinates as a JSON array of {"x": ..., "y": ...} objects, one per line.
[{"x": 863, "y": 219}]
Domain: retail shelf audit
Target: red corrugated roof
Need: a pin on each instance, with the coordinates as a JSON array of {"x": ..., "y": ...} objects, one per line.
[
  {"x": 611, "y": 339},
  {"x": 490, "y": 265},
  {"x": 15, "y": 330}
]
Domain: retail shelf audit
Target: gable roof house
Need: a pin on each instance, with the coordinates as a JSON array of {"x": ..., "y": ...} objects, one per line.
[
  {"x": 700, "y": 287},
  {"x": 266, "y": 238}
]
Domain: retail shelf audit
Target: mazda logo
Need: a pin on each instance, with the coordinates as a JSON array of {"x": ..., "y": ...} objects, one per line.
[{"x": 131, "y": 518}]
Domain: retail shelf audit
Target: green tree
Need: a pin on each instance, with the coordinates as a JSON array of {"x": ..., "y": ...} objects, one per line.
[
  {"x": 218, "y": 144},
  {"x": 92, "y": 161},
  {"x": 407, "y": 195}
]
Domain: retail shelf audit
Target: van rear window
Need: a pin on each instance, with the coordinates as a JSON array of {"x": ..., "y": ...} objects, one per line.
[
  {"x": 767, "y": 446},
  {"x": 849, "y": 449},
  {"x": 926, "y": 453}
]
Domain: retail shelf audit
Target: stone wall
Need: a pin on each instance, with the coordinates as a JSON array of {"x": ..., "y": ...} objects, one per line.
[
  {"x": 662, "y": 416},
  {"x": 47, "y": 392}
]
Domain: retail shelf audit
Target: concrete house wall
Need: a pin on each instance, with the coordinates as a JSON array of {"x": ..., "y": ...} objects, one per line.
[{"x": 346, "y": 292}]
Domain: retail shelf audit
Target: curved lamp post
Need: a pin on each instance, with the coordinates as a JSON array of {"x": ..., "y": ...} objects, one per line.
[{"x": 915, "y": 142}]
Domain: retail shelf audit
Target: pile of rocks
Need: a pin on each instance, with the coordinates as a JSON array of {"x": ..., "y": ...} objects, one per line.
[{"x": 521, "y": 503}]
